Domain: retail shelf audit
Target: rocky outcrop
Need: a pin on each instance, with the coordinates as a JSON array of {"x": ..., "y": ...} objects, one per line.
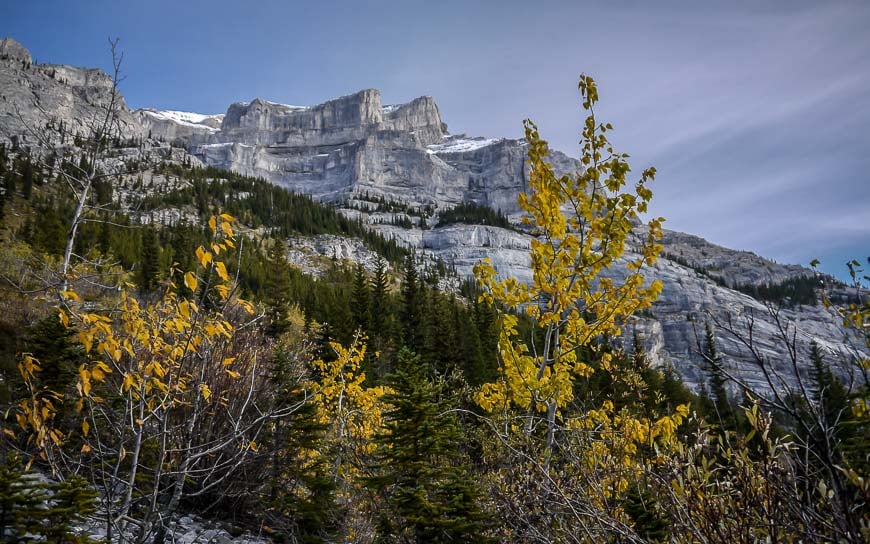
[
  {"x": 672, "y": 332},
  {"x": 354, "y": 148},
  {"x": 177, "y": 126},
  {"x": 35, "y": 95},
  {"x": 731, "y": 266},
  {"x": 14, "y": 51}
]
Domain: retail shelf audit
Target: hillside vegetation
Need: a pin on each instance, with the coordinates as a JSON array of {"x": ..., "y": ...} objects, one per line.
[{"x": 162, "y": 368}]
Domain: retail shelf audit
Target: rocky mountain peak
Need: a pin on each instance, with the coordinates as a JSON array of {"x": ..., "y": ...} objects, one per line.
[{"x": 10, "y": 49}]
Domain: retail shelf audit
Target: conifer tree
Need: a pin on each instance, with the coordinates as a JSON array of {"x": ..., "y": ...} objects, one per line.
[
  {"x": 360, "y": 300},
  {"x": 27, "y": 178},
  {"x": 35, "y": 511},
  {"x": 149, "y": 257},
  {"x": 302, "y": 489},
  {"x": 724, "y": 412},
  {"x": 411, "y": 313},
  {"x": 379, "y": 292},
  {"x": 431, "y": 498},
  {"x": 52, "y": 345},
  {"x": 276, "y": 293}
]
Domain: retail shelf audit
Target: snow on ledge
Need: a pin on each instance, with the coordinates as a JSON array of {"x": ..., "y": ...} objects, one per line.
[
  {"x": 460, "y": 144},
  {"x": 184, "y": 117}
]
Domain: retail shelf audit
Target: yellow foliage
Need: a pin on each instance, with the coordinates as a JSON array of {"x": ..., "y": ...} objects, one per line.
[
  {"x": 353, "y": 412},
  {"x": 581, "y": 223},
  {"x": 148, "y": 346}
]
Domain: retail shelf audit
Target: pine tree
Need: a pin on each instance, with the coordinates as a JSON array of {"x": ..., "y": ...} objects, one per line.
[
  {"x": 724, "y": 412},
  {"x": 430, "y": 499},
  {"x": 149, "y": 258},
  {"x": 360, "y": 299},
  {"x": 302, "y": 488},
  {"x": 31, "y": 510},
  {"x": 276, "y": 291},
  {"x": 411, "y": 312}
]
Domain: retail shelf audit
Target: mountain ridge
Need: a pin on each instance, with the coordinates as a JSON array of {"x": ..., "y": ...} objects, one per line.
[{"x": 356, "y": 153}]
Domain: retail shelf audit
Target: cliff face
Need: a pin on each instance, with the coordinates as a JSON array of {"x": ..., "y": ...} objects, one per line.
[
  {"x": 33, "y": 94},
  {"x": 353, "y": 146}
]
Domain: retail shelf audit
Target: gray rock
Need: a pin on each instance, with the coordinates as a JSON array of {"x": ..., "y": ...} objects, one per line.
[
  {"x": 12, "y": 50},
  {"x": 33, "y": 95}
]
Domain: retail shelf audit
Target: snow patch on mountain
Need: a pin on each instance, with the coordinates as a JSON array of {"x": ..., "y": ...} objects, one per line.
[
  {"x": 185, "y": 117},
  {"x": 461, "y": 144}
]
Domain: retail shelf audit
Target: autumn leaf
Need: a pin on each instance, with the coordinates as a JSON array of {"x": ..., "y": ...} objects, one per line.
[
  {"x": 190, "y": 281},
  {"x": 221, "y": 270}
]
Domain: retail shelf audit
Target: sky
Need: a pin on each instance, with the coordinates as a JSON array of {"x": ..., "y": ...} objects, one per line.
[{"x": 755, "y": 114}]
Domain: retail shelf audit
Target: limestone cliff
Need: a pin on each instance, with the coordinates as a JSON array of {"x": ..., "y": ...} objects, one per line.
[{"x": 32, "y": 95}]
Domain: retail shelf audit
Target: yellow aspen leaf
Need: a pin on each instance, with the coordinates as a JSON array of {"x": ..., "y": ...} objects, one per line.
[
  {"x": 86, "y": 448},
  {"x": 184, "y": 309},
  {"x": 230, "y": 243},
  {"x": 228, "y": 230},
  {"x": 233, "y": 374},
  {"x": 190, "y": 281},
  {"x": 70, "y": 295},
  {"x": 212, "y": 224},
  {"x": 204, "y": 257},
  {"x": 85, "y": 427},
  {"x": 253, "y": 445},
  {"x": 227, "y": 217},
  {"x": 221, "y": 270},
  {"x": 228, "y": 361},
  {"x": 247, "y": 306},
  {"x": 223, "y": 291},
  {"x": 84, "y": 381},
  {"x": 206, "y": 392}
]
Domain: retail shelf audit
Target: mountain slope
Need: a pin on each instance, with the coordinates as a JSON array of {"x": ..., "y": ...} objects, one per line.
[{"x": 396, "y": 168}]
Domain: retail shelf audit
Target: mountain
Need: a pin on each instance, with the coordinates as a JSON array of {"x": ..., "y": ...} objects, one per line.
[
  {"x": 72, "y": 98},
  {"x": 397, "y": 168}
]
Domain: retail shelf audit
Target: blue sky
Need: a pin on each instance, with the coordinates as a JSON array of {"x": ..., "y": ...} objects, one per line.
[{"x": 756, "y": 114}]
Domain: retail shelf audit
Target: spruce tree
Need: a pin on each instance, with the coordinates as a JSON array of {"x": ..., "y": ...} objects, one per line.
[
  {"x": 431, "y": 497},
  {"x": 149, "y": 259},
  {"x": 36, "y": 511},
  {"x": 360, "y": 299},
  {"x": 724, "y": 412},
  {"x": 53, "y": 346},
  {"x": 276, "y": 291},
  {"x": 302, "y": 489},
  {"x": 27, "y": 178},
  {"x": 379, "y": 314},
  {"x": 411, "y": 312}
]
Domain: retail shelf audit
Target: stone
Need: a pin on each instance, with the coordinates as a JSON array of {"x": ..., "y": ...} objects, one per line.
[{"x": 14, "y": 51}]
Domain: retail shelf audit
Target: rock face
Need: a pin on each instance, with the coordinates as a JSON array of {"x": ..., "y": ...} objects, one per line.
[
  {"x": 180, "y": 126},
  {"x": 386, "y": 162},
  {"x": 12, "y": 50},
  {"x": 32, "y": 95},
  {"x": 355, "y": 148},
  {"x": 672, "y": 333}
]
